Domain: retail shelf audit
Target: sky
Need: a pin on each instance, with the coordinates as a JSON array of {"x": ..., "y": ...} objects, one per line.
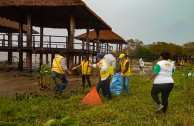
[{"x": 148, "y": 20}]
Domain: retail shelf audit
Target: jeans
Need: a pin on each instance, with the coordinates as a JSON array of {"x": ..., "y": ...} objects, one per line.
[
  {"x": 60, "y": 81},
  {"x": 165, "y": 90},
  {"x": 104, "y": 85},
  {"x": 88, "y": 79},
  {"x": 125, "y": 85}
]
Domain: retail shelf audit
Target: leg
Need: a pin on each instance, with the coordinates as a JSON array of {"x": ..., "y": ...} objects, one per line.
[
  {"x": 165, "y": 95},
  {"x": 155, "y": 91},
  {"x": 98, "y": 85},
  {"x": 64, "y": 83},
  {"x": 106, "y": 88},
  {"x": 88, "y": 79},
  {"x": 123, "y": 84},
  {"x": 127, "y": 83},
  {"x": 83, "y": 79}
]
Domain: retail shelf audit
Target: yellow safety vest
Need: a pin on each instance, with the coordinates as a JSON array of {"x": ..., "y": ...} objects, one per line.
[
  {"x": 85, "y": 68},
  {"x": 123, "y": 68},
  {"x": 106, "y": 73},
  {"x": 182, "y": 62},
  {"x": 57, "y": 65}
]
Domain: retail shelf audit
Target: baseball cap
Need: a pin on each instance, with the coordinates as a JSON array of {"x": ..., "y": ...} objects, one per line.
[
  {"x": 122, "y": 55},
  {"x": 100, "y": 55}
]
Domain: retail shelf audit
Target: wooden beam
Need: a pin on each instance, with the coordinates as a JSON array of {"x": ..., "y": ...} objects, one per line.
[
  {"x": 107, "y": 48},
  {"x": 87, "y": 38},
  {"x": 98, "y": 39},
  {"x": 20, "y": 45},
  {"x": 41, "y": 45},
  {"x": 52, "y": 57},
  {"x": 71, "y": 32},
  {"x": 10, "y": 45},
  {"x": 29, "y": 42}
]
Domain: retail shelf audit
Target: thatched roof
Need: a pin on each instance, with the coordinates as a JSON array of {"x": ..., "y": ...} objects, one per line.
[
  {"x": 52, "y": 13},
  {"x": 7, "y": 26},
  {"x": 104, "y": 36}
]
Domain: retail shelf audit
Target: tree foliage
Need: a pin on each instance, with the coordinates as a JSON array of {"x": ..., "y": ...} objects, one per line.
[
  {"x": 189, "y": 48},
  {"x": 158, "y": 47}
]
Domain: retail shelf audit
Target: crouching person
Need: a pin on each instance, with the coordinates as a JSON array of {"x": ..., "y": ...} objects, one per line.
[
  {"x": 104, "y": 79},
  {"x": 59, "y": 69}
]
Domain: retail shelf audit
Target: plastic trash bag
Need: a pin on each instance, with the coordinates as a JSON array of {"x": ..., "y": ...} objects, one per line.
[{"x": 116, "y": 85}]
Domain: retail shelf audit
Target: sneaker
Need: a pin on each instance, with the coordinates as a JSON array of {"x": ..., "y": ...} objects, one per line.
[{"x": 160, "y": 106}]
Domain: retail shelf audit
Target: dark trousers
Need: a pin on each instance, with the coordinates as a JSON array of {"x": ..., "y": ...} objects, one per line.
[
  {"x": 60, "y": 81},
  {"x": 104, "y": 85},
  {"x": 165, "y": 90},
  {"x": 88, "y": 79}
]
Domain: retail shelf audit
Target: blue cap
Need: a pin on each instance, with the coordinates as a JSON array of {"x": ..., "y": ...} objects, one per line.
[{"x": 100, "y": 55}]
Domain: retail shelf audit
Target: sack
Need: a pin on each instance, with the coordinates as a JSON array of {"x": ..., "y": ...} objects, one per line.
[
  {"x": 116, "y": 85},
  {"x": 111, "y": 71}
]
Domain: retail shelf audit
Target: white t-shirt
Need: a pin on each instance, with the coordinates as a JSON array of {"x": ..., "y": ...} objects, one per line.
[{"x": 163, "y": 69}]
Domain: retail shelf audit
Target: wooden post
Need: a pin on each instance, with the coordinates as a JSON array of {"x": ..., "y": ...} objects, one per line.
[
  {"x": 20, "y": 45},
  {"x": 83, "y": 44},
  {"x": 29, "y": 42},
  {"x": 41, "y": 45},
  {"x": 87, "y": 38},
  {"x": 117, "y": 47},
  {"x": 107, "y": 48},
  {"x": 121, "y": 48},
  {"x": 47, "y": 58},
  {"x": 71, "y": 32},
  {"x": 52, "y": 57},
  {"x": 9, "y": 45},
  {"x": 98, "y": 42},
  {"x": 80, "y": 60}
]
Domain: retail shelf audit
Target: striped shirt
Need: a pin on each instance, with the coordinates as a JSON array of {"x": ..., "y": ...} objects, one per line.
[{"x": 110, "y": 59}]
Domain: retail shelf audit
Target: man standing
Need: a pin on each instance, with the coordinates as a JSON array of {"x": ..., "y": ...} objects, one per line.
[
  {"x": 110, "y": 59},
  {"x": 59, "y": 69},
  {"x": 104, "y": 76},
  {"x": 125, "y": 72},
  {"x": 141, "y": 66}
]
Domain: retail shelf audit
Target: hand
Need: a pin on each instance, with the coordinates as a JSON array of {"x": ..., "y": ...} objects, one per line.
[
  {"x": 97, "y": 66},
  {"x": 74, "y": 68},
  {"x": 148, "y": 80},
  {"x": 69, "y": 73},
  {"x": 121, "y": 74}
]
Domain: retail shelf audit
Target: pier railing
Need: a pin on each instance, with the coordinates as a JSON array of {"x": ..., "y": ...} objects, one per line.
[{"x": 10, "y": 41}]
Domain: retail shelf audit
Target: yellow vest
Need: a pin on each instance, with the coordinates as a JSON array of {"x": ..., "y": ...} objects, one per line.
[
  {"x": 85, "y": 68},
  {"x": 57, "y": 65},
  {"x": 123, "y": 68},
  {"x": 182, "y": 62},
  {"x": 106, "y": 73}
]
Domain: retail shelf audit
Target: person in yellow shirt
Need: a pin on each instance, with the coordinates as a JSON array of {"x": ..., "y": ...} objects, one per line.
[
  {"x": 182, "y": 64},
  {"x": 86, "y": 70},
  {"x": 59, "y": 69},
  {"x": 104, "y": 80},
  {"x": 125, "y": 72}
]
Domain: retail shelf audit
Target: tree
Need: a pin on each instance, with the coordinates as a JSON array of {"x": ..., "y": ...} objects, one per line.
[
  {"x": 132, "y": 46},
  {"x": 158, "y": 47},
  {"x": 189, "y": 48},
  {"x": 143, "y": 51}
]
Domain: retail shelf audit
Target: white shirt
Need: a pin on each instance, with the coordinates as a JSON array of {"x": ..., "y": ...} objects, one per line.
[
  {"x": 110, "y": 59},
  {"x": 103, "y": 68},
  {"x": 141, "y": 63},
  {"x": 165, "y": 73}
]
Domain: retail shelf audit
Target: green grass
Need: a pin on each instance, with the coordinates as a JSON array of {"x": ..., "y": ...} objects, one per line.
[{"x": 135, "y": 108}]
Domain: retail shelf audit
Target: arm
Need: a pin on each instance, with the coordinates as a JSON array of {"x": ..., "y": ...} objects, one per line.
[
  {"x": 63, "y": 61},
  {"x": 151, "y": 77},
  {"x": 77, "y": 67},
  {"x": 155, "y": 73},
  {"x": 127, "y": 67},
  {"x": 104, "y": 67}
]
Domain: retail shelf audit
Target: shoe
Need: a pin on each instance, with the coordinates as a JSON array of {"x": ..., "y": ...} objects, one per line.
[{"x": 160, "y": 106}]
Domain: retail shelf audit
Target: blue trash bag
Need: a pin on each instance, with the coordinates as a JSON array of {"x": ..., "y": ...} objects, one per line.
[{"x": 116, "y": 85}]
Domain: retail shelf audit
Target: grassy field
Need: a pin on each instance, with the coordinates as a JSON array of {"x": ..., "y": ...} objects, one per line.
[{"x": 126, "y": 109}]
